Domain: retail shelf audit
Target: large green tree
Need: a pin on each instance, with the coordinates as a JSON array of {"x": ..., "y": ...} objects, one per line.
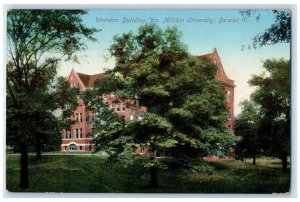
[
  {"x": 185, "y": 103},
  {"x": 246, "y": 126},
  {"x": 273, "y": 98},
  {"x": 36, "y": 41}
]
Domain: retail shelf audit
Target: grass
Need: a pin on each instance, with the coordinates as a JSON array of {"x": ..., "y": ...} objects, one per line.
[{"x": 95, "y": 174}]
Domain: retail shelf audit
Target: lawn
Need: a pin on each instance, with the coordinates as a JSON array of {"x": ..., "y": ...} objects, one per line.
[{"x": 95, "y": 174}]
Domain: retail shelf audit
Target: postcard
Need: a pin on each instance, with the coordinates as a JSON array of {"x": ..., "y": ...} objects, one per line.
[{"x": 148, "y": 101}]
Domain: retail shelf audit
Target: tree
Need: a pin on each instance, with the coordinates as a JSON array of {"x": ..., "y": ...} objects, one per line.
[
  {"x": 37, "y": 41},
  {"x": 246, "y": 126},
  {"x": 273, "y": 98},
  {"x": 185, "y": 104},
  {"x": 278, "y": 32}
]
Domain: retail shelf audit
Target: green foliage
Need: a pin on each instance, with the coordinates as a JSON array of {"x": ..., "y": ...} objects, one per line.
[
  {"x": 109, "y": 128},
  {"x": 189, "y": 165},
  {"x": 32, "y": 33},
  {"x": 185, "y": 104},
  {"x": 270, "y": 111},
  {"x": 37, "y": 40},
  {"x": 246, "y": 126}
]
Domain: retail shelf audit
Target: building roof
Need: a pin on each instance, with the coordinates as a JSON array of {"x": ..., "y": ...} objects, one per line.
[
  {"x": 89, "y": 80},
  {"x": 206, "y": 56},
  {"x": 214, "y": 58}
]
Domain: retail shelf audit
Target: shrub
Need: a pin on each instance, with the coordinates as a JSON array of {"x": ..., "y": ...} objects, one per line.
[{"x": 189, "y": 165}]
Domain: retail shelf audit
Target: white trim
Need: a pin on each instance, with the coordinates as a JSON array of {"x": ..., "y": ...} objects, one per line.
[
  {"x": 88, "y": 138},
  {"x": 72, "y": 143},
  {"x": 78, "y": 144}
]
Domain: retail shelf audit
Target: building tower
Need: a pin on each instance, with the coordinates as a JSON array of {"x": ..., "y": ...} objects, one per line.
[{"x": 227, "y": 84}]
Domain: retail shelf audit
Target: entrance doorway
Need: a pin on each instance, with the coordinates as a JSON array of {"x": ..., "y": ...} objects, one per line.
[{"x": 73, "y": 147}]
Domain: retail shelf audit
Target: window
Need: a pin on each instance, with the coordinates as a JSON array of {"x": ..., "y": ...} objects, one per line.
[
  {"x": 215, "y": 62},
  {"x": 74, "y": 85},
  {"x": 77, "y": 133},
  {"x": 229, "y": 110},
  {"x": 64, "y": 133},
  {"x": 65, "y": 148},
  {"x": 74, "y": 132},
  {"x": 123, "y": 107},
  {"x": 79, "y": 117},
  {"x": 142, "y": 148},
  {"x": 228, "y": 96},
  {"x": 118, "y": 107},
  {"x": 80, "y": 133},
  {"x": 73, "y": 147},
  {"x": 80, "y": 148},
  {"x": 131, "y": 114}
]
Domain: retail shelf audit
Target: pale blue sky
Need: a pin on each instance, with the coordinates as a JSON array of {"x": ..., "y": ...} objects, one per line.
[{"x": 200, "y": 38}]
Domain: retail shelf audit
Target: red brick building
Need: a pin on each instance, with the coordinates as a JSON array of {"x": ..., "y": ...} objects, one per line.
[
  {"x": 79, "y": 137},
  {"x": 228, "y": 84}
]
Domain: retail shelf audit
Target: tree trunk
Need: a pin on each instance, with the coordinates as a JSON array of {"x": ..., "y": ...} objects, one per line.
[
  {"x": 38, "y": 148},
  {"x": 153, "y": 180},
  {"x": 153, "y": 171},
  {"x": 254, "y": 159},
  {"x": 284, "y": 163},
  {"x": 24, "y": 167}
]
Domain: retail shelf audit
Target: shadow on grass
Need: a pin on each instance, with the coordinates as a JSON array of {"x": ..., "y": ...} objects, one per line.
[{"x": 94, "y": 174}]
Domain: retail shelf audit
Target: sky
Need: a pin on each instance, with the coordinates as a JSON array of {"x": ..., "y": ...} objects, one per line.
[{"x": 202, "y": 30}]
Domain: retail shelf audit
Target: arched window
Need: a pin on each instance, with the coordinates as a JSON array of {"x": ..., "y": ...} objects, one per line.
[{"x": 73, "y": 147}]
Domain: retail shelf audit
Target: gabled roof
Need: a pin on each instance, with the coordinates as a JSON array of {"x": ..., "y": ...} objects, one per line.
[
  {"x": 206, "y": 56},
  {"x": 214, "y": 58},
  {"x": 89, "y": 80}
]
